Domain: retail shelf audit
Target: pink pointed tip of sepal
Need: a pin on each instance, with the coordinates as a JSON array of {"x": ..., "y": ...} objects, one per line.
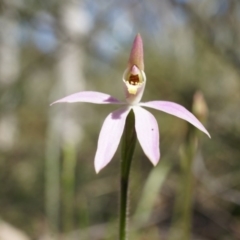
[
  {"x": 147, "y": 133},
  {"x": 109, "y": 137},
  {"x": 178, "y": 111},
  {"x": 90, "y": 97},
  {"x": 136, "y": 55},
  {"x": 97, "y": 168}
]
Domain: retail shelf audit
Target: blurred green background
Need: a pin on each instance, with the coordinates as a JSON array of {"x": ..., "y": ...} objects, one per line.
[{"x": 52, "y": 48}]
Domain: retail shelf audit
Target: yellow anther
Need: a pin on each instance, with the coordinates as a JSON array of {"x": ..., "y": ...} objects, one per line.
[{"x": 132, "y": 89}]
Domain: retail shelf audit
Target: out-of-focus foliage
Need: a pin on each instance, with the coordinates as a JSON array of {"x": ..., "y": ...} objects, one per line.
[{"x": 49, "y": 49}]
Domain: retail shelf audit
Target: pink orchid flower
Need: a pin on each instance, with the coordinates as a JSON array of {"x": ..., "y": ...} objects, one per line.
[{"x": 134, "y": 80}]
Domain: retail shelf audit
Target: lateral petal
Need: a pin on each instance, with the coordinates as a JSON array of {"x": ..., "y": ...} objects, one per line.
[
  {"x": 109, "y": 137},
  {"x": 147, "y": 133},
  {"x": 176, "y": 110},
  {"x": 90, "y": 97}
]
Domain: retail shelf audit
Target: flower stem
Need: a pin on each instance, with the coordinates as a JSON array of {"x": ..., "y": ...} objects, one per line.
[
  {"x": 128, "y": 146},
  {"x": 182, "y": 220},
  {"x": 68, "y": 185}
]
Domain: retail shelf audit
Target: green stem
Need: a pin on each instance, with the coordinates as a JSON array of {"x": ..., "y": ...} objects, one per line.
[
  {"x": 52, "y": 177},
  {"x": 128, "y": 145},
  {"x": 68, "y": 181},
  {"x": 187, "y": 181},
  {"x": 182, "y": 220}
]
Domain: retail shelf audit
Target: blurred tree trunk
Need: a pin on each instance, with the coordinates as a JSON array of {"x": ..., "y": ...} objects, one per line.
[
  {"x": 9, "y": 70},
  {"x": 65, "y": 129}
]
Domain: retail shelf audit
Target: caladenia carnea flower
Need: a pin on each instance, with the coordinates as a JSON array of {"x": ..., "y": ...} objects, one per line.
[{"x": 134, "y": 81}]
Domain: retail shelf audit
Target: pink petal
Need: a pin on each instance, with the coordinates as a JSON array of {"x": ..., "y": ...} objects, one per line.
[
  {"x": 176, "y": 110},
  {"x": 90, "y": 97},
  {"x": 109, "y": 137},
  {"x": 147, "y": 133},
  {"x": 136, "y": 55}
]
